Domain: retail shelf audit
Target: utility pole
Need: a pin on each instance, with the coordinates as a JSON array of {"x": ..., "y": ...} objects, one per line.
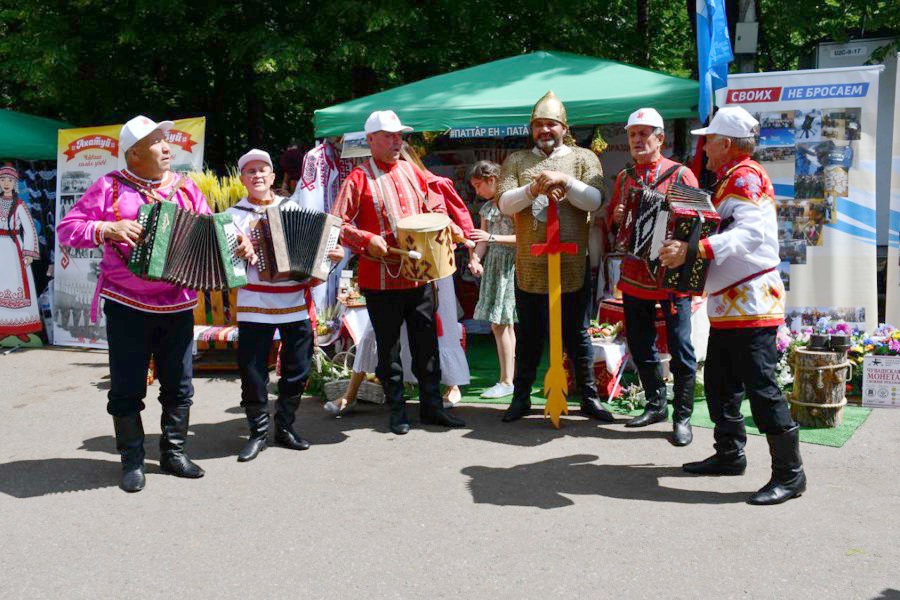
[{"x": 745, "y": 36}]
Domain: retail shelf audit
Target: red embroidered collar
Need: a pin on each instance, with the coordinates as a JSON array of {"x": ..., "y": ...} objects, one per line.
[
  {"x": 149, "y": 184},
  {"x": 724, "y": 169},
  {"x": 256, "y": 202}
]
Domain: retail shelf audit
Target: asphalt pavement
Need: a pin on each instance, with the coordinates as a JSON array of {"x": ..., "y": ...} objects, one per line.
[{"x": 491, "y": 511}]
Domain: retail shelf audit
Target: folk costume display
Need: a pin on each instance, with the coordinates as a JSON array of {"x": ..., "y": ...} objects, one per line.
[
  {"x": 746, "y": 306},
  {"x": 20, "y": 318},
  {"x": 640, "y": 291},
  {"x": 376, "y": 195},
  {"x": 262, "y": 308},
  {"x": 143, "y": 318},
  {"x": 321, "y": 175},
  {"x": 582, "y": 194}
]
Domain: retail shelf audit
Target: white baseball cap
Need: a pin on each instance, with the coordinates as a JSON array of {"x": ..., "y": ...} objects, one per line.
[
  {"x": 730, "y": 121},
  {"x": 255, "y": 154},
  {"x": 385, "y": 120},
  {"x": 645, "y": 116},
  {"x": 137, "y": 129}
]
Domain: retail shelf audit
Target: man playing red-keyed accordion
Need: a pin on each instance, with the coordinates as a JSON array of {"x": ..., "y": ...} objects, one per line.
[
  {"x": 640, "y": 292},
  {"x": 746, "y": 306}
]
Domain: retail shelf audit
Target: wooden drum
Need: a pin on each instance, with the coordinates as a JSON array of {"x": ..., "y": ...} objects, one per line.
[{"x": 429, "y": 235}]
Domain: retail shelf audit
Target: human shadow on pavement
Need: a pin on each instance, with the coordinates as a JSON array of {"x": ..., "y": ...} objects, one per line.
[
  {"x": 482, "y": 423},
  {"x": 209, "y": 441},
  {"x": 33, "y": 478},
  {"x": 205, "y": 441},
  {"x": 546, "y": 484},
  {"x": 888, "y": 594},
  {"x": 485, "y": 425}
]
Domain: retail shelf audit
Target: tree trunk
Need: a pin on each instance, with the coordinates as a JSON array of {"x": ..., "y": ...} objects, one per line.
[
  {"x": 255, "y": 109},
  {"x": 642, "y": 33}
]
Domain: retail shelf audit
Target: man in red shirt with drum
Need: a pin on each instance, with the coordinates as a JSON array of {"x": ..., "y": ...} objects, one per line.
[
  {"x": 375, "y": 195},
  {"x": 640, "y": 293}
]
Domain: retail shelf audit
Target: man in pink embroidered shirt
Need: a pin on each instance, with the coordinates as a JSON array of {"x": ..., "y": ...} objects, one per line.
[
  {"x": 142, "y": 317},
  {"x": 371, "y": 200}
]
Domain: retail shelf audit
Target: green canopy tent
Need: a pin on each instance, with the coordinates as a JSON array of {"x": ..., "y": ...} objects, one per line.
[
  {"x": 26, "y": 137},
  {"x": 503, "y": 92}
]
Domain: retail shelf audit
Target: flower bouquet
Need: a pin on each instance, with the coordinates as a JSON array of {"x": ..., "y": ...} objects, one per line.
[
  {"x": 328, "y": 325},
  {"x": 606, "y": 332}
]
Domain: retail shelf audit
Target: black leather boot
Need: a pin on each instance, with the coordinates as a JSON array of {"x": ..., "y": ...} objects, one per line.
[
  {"x": 590, "y": 404},
  {"x": 654, "y": 386},
  {"x": 398, "y": 421},
  {"x": 731, "y": 437},
  {"x": 520, "y": 406},
  {"x": 258, "y": 420},
  {"x": 734, "y": 463},
  {"x": 172, "y": 459},
  {"x": 432, "y": 414},
  {"x": 682, "y": 408},
  {"x": 788, "y": 479},
  {"x": 593, "y": 408},
  {"x": 431, "y": 408},
  {"x": 130, "y": 444},
  {"x": 285, "y": 414}
]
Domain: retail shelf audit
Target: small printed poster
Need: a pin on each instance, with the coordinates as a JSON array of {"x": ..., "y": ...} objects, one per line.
[{"x": 881, "y": 381}]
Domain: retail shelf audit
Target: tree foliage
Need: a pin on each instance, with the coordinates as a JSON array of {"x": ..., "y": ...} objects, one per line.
[{"x": 259, "y": 68}]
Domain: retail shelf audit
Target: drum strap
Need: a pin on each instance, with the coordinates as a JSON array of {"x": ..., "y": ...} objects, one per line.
[{"x": 666, "y": 174}]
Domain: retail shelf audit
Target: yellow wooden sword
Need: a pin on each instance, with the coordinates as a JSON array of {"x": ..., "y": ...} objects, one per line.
[{"x": 556, "y": 385}]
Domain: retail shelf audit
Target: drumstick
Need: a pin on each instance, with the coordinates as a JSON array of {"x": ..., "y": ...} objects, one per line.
[{"x": 410, "y": 253}]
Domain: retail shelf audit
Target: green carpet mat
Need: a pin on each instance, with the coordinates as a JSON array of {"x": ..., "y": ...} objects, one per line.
[
  {"x": 854, "y": 417},
  {"x": 482, "y": 357}
]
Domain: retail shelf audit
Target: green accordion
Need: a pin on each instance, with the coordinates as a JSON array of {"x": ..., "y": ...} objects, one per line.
[{"x": 187, "y": 249}]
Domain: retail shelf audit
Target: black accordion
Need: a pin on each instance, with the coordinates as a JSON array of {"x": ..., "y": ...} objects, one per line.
[
  {"x": 683, "y": 213},
  {"x": 292, "y": 243},
  {"x": 187, "y": 249}
]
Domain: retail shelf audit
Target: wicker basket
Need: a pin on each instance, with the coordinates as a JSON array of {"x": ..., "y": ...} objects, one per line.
[{"x": 369, "y": 391}]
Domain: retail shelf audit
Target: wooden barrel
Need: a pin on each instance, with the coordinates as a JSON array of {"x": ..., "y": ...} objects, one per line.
[{"x": 820, "y": 383}]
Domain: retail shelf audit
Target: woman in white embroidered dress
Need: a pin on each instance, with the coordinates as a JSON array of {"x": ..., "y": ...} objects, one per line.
[{"x": 19, "y": 314}]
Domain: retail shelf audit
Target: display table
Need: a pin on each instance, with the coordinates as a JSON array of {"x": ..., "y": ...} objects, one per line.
[{"x": 611, "y": 311}]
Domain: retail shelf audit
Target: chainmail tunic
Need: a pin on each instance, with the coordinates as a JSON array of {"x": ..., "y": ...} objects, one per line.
[{"x": 521, "y": 168}]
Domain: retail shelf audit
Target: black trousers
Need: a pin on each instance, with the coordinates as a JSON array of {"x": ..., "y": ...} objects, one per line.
[
  {"x": 532, "y": 331},
  {"x": 742, "y": 361},
  {"x": 640, "y": 329},
  {"x": 133, "y": 336},
  {"x": 254, "y": 345},
  {"x": 388, "y": 310}
]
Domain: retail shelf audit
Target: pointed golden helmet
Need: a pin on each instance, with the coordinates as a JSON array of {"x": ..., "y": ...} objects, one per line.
[{"x": 550, "y": 107}]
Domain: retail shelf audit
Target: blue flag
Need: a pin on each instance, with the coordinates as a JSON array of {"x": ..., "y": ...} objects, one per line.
[{"x": 713, "y": 52}]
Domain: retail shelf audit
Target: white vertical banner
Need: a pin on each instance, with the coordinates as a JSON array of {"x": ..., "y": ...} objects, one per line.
[
  {"x": 83, "y": 156},
  {"x": 892, "y": 301},
  {"x": 817, "y": 142}
]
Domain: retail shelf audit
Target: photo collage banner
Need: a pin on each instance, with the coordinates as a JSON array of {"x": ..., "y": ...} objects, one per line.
[{"x": 817, "y": 142}]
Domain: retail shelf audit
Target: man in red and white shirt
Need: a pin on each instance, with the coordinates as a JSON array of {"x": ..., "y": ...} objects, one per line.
[
  {"x": 746, "y": 306},
  {"x": 263, "y": 307},
  {"x": 640, "y": 292},
  {"x": 375, "y": 195}
]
